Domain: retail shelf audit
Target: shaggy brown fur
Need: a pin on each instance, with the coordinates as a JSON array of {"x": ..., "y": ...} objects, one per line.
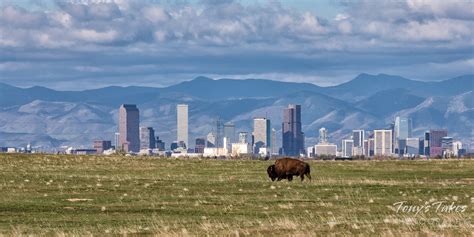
[{"x": 286, "y": 168}]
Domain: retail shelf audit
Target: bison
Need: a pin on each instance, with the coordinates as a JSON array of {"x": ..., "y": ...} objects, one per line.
[{"x": 285, "y": 169}]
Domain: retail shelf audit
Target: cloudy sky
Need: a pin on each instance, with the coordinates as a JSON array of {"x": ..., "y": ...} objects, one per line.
[{"x": 81, "y": 44}]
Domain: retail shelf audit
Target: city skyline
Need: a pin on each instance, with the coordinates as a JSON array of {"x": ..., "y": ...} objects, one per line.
[{"x": 232, "y": 105}]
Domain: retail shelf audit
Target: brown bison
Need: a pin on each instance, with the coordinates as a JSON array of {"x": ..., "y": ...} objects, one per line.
[{"x": 285, "y": 169}]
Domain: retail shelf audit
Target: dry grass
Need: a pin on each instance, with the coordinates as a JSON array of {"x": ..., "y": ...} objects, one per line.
[{"x": 91, "y": 195}]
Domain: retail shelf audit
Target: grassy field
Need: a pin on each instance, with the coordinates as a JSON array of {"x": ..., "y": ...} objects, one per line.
[{"x": 78, "y": 195}]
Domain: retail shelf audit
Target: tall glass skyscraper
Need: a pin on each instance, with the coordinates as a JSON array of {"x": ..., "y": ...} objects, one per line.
[
  {"x": 182, "y": 123},
  {"x": 129, "y": 134},
  {"x": 402, "y": 131},
  {"x": 436, "y": 136},
  {"x": 293, "y": 137},
  {"x": 147, "y": 138},
  {"x": 261, "y": 135}
]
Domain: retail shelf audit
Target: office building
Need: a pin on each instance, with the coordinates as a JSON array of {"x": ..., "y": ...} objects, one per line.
[
  {"x": 261, "y": 136},
  {"x": 117, "y": 141},
  {"x": 100, "y": 146},
  {"x": 447, "y": 144},
  {"x": 347, "y": 146},
  {"x": 182, "y": 123},
  {"x": 358, "y": 137},
  {"x": 457, "y": 146},
  {"x": 325, "y": 149},
  {"x": 147, "y": 138},
  {"x": 323, "y": 135},
  {"x": 402, "y": 127},
  {"x": 160, "y": 145},
  {"x": 174, "y": 145},
  {"x": 275, "y": 147},
  {"x": 402, "y": 131},
  {"x": 412, "y": 147},
  {"x": 292, "y": 135},
  {"x": 383, "y": 144},
  {"x": 200, "y": 145},
  {"x": 229, "y": 132},
  {"x": 211, "y": 140},
  {"x": 243, "y": 137},
  {"x": 366, "y": 148},
  {"x": 436, "y": 136},
  {"x": 426, "y": 145},
  {"x": 129, "y": 138}
]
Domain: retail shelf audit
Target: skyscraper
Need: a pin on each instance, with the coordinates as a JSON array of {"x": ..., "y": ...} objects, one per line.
[
  {"x": 347, "y": 145},
  {"x": 261, "y": 135},
  {"x": 323, "y": 135},
  {"x": 182, "y": 123},
  {"x": 229, "y": 132},
  {"x": 211, "y": 140},
  {"x": 435, "y": 141},
  {"x": 412, "y": 146},
  {"x": 147, "y": 138},
  {"x": 426, "y": 145},
  {"x": 274, "y": 143},
  {"x": 383, "y": 142},
  {"x": 358, "y": 136},
  {"x": 293, "y": 137},
  {"x": 243, "y": 137},
  {"x": 403, "y": 127},
  {"x": 129, "y": 138},
  {"x": 402, "y": 131},
  {"x": 200, "y": 145}
]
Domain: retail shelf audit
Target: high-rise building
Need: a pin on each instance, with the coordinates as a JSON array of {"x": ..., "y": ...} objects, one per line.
[
  {"x": 229, "y": 132},
  {"x": 383, "y": 142},
  {"x": 366, "y": 148},
  {"x": 402, "y": 131},
  {"x": 182, "y": 123},
  {"x": 403, "y": 127},
  {"x": 323, "y": 135},
  {"x": 347, "y": 145},
  {"x": 371, "y": 144},
  {"x": 293, "y": 136},
  {"x": 261, "y": 136},
  {"x": 412, "y": 147},
  {"x": 129, "y": 119},
  {"x": 358, "y": 136},
  {"x": 243, "y": 137},
  {"x": 447, "y": 144},
  {"x": 275, "y": 147},
  {"x": 100, "y": 146},
  {"x": 117, "y": 141},
  {"x": 210, "y": 140},
  {"x": 435, "y": 141},
  {"x": 147, "y": 138},
  {"x": 457, "y": 146},
  {"x": 200, "y": 145},
  {"x": 426, "y": 145},
  {"x": 160, "y": 145}
]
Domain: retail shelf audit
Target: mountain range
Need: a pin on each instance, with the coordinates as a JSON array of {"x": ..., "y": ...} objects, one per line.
[{"x": 51, "y": 118}]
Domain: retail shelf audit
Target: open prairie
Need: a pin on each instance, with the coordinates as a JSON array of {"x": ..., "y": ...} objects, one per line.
[{"x": 79, "y": 195}]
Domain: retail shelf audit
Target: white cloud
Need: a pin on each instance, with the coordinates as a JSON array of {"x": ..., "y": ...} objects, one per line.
[{"x": 234, "y": 39}]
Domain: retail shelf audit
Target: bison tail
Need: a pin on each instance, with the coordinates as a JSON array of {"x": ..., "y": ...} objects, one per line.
[{"x": 307, "y": 172}]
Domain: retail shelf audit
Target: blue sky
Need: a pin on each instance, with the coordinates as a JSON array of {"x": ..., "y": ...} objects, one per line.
[{"x": 81, "y": 44}]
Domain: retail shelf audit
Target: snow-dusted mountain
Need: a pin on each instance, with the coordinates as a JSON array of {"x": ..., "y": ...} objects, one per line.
[{"x": 51, "y": 118}]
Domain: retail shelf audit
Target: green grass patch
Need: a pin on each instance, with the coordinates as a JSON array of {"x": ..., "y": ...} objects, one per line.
[{"x": 78, "y": 195}]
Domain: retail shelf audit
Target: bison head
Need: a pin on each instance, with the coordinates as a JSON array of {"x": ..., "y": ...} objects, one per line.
[{"x": 271, "y": 172}]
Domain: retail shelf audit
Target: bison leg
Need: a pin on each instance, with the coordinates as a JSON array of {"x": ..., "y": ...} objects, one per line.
[
  {"x": 309, "y": 176},
  {"x": 302, "y": 177},
  {"x": 290, "y": 178}
]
